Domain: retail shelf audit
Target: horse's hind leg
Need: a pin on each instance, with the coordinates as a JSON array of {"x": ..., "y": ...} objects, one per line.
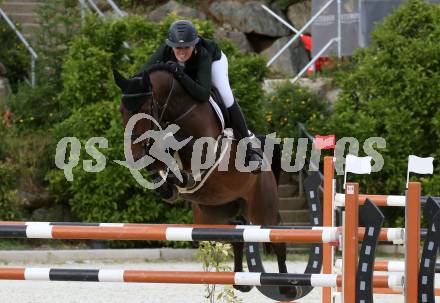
[
  {"x": 238, "y": 265},
  {"x": 281, "y": 252},
  {"x": 263, "y": 209}
]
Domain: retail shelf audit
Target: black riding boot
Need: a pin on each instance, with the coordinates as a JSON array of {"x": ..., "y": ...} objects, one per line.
[{"x": 241, "y": 131}]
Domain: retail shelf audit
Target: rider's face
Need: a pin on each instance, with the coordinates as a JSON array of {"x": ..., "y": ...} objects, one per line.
[{"x": 183, "y": 53}]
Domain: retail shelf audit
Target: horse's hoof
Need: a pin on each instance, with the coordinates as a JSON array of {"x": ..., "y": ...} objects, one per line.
[
  {"x": 173, "y": 197},
  {"x": 288, "y": 291},
  {"x": 169, "y": 193},
  {"x": 190, "y": 182},
  {"x": 243, "y": 288}
]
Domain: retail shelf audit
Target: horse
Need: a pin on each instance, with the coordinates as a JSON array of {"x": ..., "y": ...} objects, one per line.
[{"x": 225, "y": 194}]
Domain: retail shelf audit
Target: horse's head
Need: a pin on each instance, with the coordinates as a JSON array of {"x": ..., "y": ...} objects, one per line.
[{"x": 136, "y": 98}]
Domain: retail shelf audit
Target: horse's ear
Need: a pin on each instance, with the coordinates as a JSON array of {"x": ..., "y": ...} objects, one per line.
[
  {"x": 146, "y": 79},
  {"x": 120, "y": 80}
]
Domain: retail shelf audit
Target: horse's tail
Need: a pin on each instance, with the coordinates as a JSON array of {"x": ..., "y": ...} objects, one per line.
[
  {"x": 276, "y": 162},
  {"x": 276, "y": 170},
  {"x": 276, "y": 157}
]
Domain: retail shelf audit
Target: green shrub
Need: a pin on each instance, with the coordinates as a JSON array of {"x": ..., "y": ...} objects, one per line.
[
  {"x": 290, "y": 104},
  {"x": 34, "y": 107},
  {"x": 11, "y": 207},
  {"x": 10, "y": 203},
  {"x": 26, "y": 154},
  {"x": 38, "y": 107},
  {"x": 3, "y": 136},
  {"x": 86, "y": 76},
  {"x": 59, "y": 22},
  {"x": 13, "y": 55},
  {"x": 393, "y": 91}
]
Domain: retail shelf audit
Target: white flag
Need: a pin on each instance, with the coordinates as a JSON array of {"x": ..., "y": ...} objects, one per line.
[
  {"x": 358, "y": 165},
  {"x": 420, "y": 165}
]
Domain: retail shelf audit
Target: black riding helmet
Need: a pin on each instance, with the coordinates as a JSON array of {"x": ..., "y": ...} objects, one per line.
[{"x": 182, "y": 33}]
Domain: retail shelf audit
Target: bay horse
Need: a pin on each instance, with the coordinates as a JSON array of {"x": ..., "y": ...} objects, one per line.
[{"x": 225, "y": 194}]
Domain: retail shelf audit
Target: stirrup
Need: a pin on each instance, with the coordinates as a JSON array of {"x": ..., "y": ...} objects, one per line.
[{"x": 253, "y": 154}]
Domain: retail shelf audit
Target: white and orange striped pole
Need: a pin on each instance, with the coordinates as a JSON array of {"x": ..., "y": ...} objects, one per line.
[{"x": 183, "y": 277}]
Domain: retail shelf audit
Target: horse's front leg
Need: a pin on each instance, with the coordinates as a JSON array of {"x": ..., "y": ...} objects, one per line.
[
  {"x": 187, "y": 180},
  {"x": 167, "y": 190},
  {"x": 238, "y": 265}
]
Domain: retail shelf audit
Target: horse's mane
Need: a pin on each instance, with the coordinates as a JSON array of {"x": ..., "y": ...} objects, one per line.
[{"x": 158, "y": 67}]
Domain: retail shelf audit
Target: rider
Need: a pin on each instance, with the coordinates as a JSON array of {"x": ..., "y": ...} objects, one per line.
[{"x": 198, "y": 63}]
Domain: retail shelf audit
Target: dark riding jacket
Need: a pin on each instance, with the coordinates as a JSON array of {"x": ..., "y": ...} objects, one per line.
[{"x": 197, "y": 72}]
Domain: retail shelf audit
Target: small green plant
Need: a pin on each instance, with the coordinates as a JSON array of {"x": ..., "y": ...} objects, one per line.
[{"x": 213, "y": 256}]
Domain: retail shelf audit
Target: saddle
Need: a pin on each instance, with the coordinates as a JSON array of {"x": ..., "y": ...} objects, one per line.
[
  {"x": 217, "y": 98},
  {"x": 222, "y": 114}
]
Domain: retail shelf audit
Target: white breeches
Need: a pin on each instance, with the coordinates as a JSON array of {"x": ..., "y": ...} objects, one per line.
[{"x": 220, "y": 79}]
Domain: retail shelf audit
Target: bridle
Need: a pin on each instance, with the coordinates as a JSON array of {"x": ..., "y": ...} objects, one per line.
[{"x": 157, "y": 112}]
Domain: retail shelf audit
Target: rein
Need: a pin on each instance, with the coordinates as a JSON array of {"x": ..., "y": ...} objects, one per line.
[
  {"x": 166, "y": 102},
  {"x": 156, "y": 108},
  {"x": 165, "y": 106}
]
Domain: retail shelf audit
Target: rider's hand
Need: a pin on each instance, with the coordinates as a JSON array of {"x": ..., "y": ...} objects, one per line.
[{"x": 175, "y": 68}]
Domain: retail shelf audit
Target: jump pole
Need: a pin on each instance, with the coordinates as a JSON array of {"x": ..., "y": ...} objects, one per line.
[
  {"x": 387, "y": 266},
  {"x": 238, "y": 233},
  {"x": 412, "y": 203},
  {"x": 350, "y": 242},
  {"x": 328, "y": 251},
  {"x": 412, "y": 241},
  {"x": 162, "y": 233},
  {"x": 381, "y": 200},
  {"x": 183, "y": 277}
]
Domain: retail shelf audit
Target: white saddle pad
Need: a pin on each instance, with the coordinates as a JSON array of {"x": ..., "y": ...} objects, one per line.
[{"x": 218, "y": 111}]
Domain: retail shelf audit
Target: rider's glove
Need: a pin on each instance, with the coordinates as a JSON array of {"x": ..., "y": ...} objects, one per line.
[{"x": 175, "y": 68}]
